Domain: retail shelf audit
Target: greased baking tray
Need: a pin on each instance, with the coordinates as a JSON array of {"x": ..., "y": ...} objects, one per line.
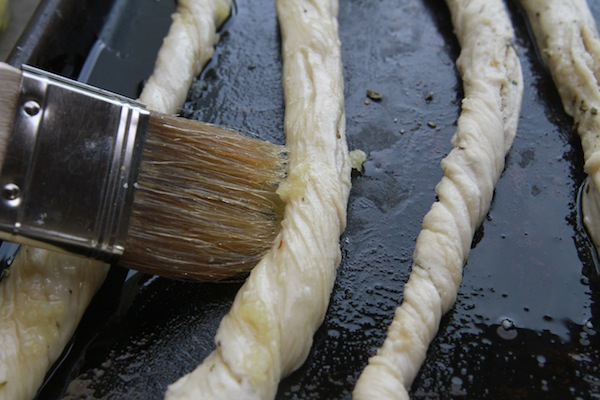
[{"x": 525, "y": 325}]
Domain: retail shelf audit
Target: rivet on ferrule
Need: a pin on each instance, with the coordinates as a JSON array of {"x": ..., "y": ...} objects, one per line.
[{"x": 31, "y": 108}]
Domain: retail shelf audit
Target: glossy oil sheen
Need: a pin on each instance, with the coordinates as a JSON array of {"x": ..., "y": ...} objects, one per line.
[{"x": 526, "y": 320}]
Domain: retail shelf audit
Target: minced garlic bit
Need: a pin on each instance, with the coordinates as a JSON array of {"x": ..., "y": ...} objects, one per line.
[
  {"x": 357, "y": 159},
  {"x": 374, "y": 95}
]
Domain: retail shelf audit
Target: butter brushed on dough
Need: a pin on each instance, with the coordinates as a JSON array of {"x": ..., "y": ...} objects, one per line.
[
  {"x": 41, "y": 303},
  {"x": 493, "y": 87},
  {"x": 568, "y": 39},
  {"x": 268, "y": 332}
]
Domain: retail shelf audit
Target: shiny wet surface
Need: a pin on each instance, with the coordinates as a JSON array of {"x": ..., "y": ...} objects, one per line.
[{"x": 526, "y": 320}]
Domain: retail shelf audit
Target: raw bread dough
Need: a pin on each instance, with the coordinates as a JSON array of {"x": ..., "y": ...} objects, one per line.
[
  {"x": 493, "y": 87},
  {"x": 269, "y": 329},
  {"x": 567, "y": 37},
  {"x": 188, "y": 46},
  {"x": 41, "y": 303}
]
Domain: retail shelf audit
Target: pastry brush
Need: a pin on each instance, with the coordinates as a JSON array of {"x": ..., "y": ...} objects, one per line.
[{"x": 90, "y": 172}]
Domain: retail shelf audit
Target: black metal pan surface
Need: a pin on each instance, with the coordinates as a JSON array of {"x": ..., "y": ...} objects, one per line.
[{"x": 526, "y": 322}]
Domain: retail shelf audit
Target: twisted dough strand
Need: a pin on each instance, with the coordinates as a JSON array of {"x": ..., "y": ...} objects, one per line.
[
  {"x": 268, "y": 332},
  {"x": 493, "y": 86}
]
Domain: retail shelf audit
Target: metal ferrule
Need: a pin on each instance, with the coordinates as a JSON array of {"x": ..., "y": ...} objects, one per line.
[{"x": 70, "y": 168}]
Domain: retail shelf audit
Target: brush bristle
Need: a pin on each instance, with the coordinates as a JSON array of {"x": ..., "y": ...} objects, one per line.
[
  {"x": 10, "y": 79},
  {"x": 205, "y": 205}
]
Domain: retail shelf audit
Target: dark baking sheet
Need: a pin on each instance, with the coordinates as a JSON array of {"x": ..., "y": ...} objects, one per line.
[{"x": 526, "y": 320}]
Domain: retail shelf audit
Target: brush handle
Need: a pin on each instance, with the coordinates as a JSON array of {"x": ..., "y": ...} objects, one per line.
[{"x": 68, "y": 178}]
